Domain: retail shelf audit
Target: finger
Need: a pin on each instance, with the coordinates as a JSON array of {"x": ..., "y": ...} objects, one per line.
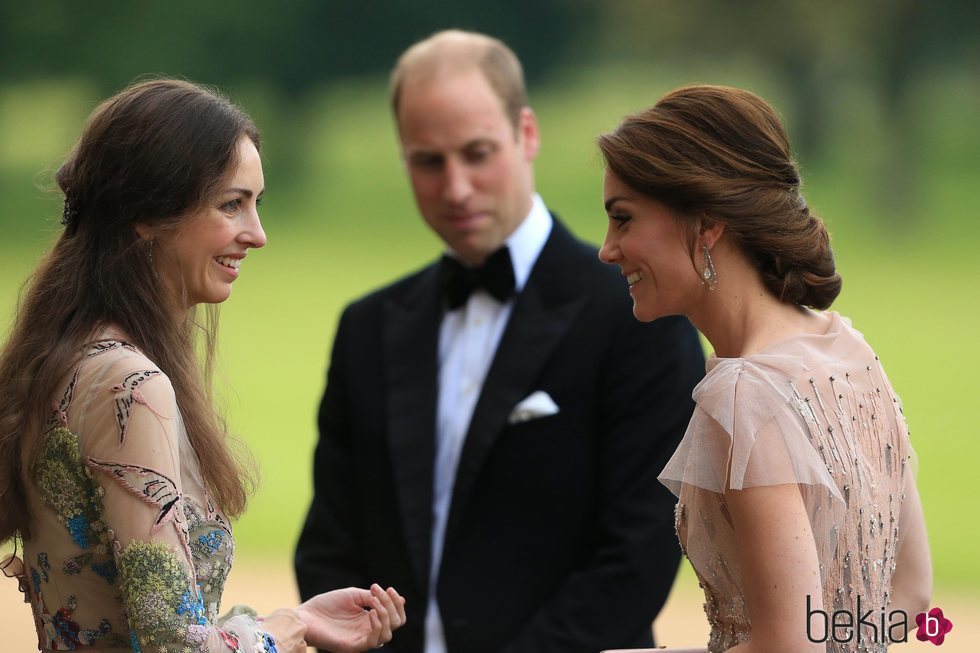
[
  {"x": 384, "y": 639},
  {"x": 393, "y": 616},
  {"x": 376, "y": 628},
  {"x": 399, "y": 602},
  {"x": 384, "y": 616}
]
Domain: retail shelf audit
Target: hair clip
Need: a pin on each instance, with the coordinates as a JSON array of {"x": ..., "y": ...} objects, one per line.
[{"x": 69, "y": 213}]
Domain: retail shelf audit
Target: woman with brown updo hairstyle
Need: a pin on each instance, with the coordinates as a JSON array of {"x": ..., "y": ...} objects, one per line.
[
  {"x": 116, "y": 473},
  {"x": 796, "y": 499}
]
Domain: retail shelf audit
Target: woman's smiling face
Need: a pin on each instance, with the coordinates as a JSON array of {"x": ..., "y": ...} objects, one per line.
[
  {"x": 649, "y": 243},
  {"x": 202, "y": 257}
]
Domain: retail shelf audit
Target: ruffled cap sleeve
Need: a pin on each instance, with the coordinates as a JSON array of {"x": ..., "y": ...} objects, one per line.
[{"x": 750, "y": 428}]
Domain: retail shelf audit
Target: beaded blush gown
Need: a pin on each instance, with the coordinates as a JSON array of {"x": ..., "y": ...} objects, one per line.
[
  {"x": 126, "y": 550},
  {"x": 814, "y": 410}
]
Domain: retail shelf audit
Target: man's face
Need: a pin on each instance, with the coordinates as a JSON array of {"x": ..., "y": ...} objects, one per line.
[{"x": 470, "y": 169}]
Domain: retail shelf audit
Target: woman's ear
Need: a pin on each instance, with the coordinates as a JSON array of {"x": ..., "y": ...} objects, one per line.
[
  {"x": 709, "y": 232},
  {"x": 145, "y": 231}
]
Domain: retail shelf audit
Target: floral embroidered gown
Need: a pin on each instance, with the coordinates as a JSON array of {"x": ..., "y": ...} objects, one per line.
[
  {"x": 814, "y": 410},
  {"x": 127, "y": 551}
]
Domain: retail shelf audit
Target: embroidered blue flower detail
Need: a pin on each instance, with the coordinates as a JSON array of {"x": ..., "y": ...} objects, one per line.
[
  {"x": 193, "y": 606},
  {"x": 78, "y": 527},
  {"x": 106, "y": 570},
  {"x": 270, "y": 644},
  {"x": 134, "y": 642},
  {"x": 66, "y": 628},
  {"x": 211, "y": 541},
  {"x": 36, "y": 580},
  {"x": 42, "y": 562}
]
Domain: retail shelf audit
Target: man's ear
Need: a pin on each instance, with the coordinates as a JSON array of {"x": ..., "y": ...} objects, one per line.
[{"x": 527, "y": 126}]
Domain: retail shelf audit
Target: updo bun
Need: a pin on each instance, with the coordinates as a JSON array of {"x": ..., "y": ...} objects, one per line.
[
  {"x": 720, "y": 154},
  {"x": 809, "y": 278}
]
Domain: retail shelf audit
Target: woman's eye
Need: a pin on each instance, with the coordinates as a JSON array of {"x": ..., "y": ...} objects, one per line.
[
  {"x": 232, "y": 206},
  {"x": 620, "y": 218}
]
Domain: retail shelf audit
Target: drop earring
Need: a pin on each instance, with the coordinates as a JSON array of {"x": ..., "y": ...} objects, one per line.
[
  {"x": 149, "y": 256},
  {"x": 708, "y": 273}
]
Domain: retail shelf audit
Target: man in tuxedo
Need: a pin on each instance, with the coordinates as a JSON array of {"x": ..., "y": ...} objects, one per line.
[{"x": 493, "y": 425}]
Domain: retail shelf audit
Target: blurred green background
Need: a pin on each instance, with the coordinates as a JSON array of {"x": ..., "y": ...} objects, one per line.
[{"x": 881, "y": 98}]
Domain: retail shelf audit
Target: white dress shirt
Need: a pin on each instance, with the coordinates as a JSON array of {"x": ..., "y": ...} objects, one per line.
[{"x": 468, "y": 339}]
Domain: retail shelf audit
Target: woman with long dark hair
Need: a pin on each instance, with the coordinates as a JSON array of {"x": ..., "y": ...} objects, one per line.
[{"x": 115, "y": 467}]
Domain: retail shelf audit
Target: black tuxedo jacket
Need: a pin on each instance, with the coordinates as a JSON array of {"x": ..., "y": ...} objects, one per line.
[{"x": 559, "y": 538}]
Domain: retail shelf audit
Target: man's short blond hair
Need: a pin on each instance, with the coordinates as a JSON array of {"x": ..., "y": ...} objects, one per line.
[{"x": 456, "y": 51}]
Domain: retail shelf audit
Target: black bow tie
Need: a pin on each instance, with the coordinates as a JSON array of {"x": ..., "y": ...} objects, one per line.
[{"x": 496, "y": 276}]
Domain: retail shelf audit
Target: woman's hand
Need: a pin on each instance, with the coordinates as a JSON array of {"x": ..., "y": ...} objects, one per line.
[
  {"x": 353, "y": 619},
  {"x": 287, "y": 629}
]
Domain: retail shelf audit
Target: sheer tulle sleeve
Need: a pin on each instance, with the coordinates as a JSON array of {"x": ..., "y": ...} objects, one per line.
[
  {"x": 750, "y": 428},
  {"x": 132, "y": 443}
]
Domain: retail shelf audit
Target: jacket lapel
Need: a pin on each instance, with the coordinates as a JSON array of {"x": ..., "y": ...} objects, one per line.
[
  {"x": 411, "y": 343},
  {"x": 542, "y": 314}
]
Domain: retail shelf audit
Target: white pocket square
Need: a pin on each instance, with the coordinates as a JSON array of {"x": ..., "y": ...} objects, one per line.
[{"x": 537, "y": 404}]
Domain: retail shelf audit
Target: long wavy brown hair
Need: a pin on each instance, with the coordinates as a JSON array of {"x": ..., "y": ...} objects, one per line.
[{"x": 152, "y": 155}]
